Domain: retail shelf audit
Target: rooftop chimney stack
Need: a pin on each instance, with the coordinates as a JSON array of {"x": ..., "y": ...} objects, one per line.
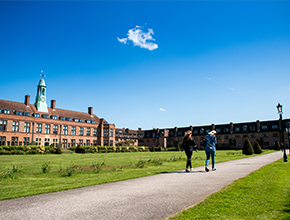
[
  {"x": 27, "y": 98},
  {"x": 90, "y": 110},
  {"x": 52, "y": 104}
]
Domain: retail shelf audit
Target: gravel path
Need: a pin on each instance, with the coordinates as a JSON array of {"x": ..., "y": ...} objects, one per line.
[{"x": 152, "y": 197}]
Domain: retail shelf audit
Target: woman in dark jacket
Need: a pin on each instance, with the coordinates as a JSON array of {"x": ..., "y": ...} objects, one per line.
[{"x": 189, "y": 145}]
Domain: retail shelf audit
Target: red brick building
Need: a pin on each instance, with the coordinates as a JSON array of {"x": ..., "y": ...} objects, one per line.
[{"x": 22, "y": 123}]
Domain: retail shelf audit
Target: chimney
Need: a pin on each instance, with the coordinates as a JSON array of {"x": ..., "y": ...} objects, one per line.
[
  {"x": 27, "y": 98},
  {"x": 52, "y": 105},
  {"x": 90, "y": 110}
]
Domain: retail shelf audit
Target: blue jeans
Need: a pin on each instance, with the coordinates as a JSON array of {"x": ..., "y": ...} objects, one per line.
[{"x": 209, "y": 154}]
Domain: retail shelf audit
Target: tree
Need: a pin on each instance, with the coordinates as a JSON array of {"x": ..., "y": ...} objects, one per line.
[
  {"x": 257, "y": 148},
  {"x": 247, "y": 149}
]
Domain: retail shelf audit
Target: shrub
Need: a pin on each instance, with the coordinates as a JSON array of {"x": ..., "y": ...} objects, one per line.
[
  {"x": 73, "y": 148},
  {"x": 80, "y": 150},
  {"x": 257, "y": 148},
  {"x": 45, "y": 167},
  {"x": 247, "y": 149},
  {"x": 140, "y": 163},
  {"x": 71, "y": 169},
  {"x": 277, "y": 145},
  {"x": 20, "y": 152},
  {"x": 4, "y": 152},
  {"x": 96, "y": 149},
  {"x": 58, "y": 150}
]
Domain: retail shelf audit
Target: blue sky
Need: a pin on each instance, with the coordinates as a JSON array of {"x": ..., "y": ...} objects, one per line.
[{"x": 150, "y": 64}]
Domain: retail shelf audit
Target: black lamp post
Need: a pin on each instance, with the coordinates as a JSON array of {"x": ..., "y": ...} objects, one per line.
[
  {"x": 288, "y": 129},
  {"x": 279, "y": 108}
]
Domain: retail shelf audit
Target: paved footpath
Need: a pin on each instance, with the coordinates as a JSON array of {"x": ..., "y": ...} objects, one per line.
[{"x": 152, "y": 197}]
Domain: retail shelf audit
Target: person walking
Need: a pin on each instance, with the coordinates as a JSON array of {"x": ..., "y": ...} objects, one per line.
[
  {"x": 210, "y": 149},
  {"x": 189, "y": 145}
]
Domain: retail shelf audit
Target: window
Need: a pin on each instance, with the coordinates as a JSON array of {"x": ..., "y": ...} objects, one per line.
[
  {"x": 36, "y": 115},
  {"x": 68, "y": 119},
  {"x": 81, "y": 131},
  {"x": 76, "y": 119},
  {"x": 95, "y": 132},
  {"x": 47, "y": 129},
  {"x": 111, "y": 133},
  {"x": 18, "y": 113},
  {"x": 38, "y": 128},
  {"x": 25, "y": 141},
  {"x": 62, "y": 118},
  {"x": 106, "y": 143},
  {"x": 53, "y": 117},
  {"x": 88, "y": 121},
  {"x": 73, "y": 130},
  {"x": 64, "y": 143},
  {"x": 54, "y": 142},
  {"x": 15, "y": 127},
  {"x": 14, "y": 141},
  {"x": 26, "y": 114},
  {"x": 195, "y": 131},
  {"x": 207, "y": 131},
  {"x": 264, "y": 127},
  {"x": 253, "y": 136},
  {"x": 265, "y": 135},
  {"x": 26, "y": 127},
  {"x": 275, "y": 135},
  {"x": 2, "y": 140},
  {"x": 88, "y": 143},
  {"x": 38, "y": 141},
  {"x": 82, "y": 120},
  {"x": 226, "y": 137},
  {"x": 65, "y": 129},
  {"x": 5, "y": 111},
  {"x": 80, "y": 142},
  {"x": 106, "y": 132},
  {"x": 274, "y": 126},
  {"x": 45, "y": 116},
  {"x": 95, "y": 142},
  {"x": 3, "y": 125},
  {"x": 252, "y": 128},
  {"x": 237, "y": 137},
  {"x": 88, "y": 132},
  {"x": 201, "y": 131},
  {"x": 73, "y": 142},
  {"x": 93, "y": 122},
  {"x": 111, "y": 143},
  {"x": 226, "y": 130},
  {"x": 237, "y": 129},
  {"x": 218, "y": 137},
  {"x": 218, "y": 130},
  {"x": 55, "y": 128}
]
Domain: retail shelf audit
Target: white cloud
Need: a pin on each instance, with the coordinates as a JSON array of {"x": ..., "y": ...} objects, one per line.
[
  {"x": 140, "y": 38},
  {"x": 123, "y": 40},
  {"x": 161, "y": 109},
  {"x": 231, "y": 88}
]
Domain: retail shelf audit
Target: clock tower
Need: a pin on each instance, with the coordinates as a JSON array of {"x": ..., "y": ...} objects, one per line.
[{"x": 40, "y": 101}]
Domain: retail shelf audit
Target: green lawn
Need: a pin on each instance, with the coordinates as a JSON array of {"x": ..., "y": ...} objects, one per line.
[
  {"x": 30, "y": 180},
  {"x": 264, "y": 194}
]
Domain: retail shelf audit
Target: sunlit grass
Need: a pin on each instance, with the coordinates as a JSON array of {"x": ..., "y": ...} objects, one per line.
[
  {"x": 31, "y": 180},
  {"x": 264, "y": 194}
]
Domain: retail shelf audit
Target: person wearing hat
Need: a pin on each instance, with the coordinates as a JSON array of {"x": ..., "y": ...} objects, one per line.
[
  {"x": 210, "y": 149},
  {"x": 189, "y": 145}
]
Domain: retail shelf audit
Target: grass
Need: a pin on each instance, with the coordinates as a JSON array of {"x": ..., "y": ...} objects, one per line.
[
  {"x": 263, "y": 194},
  {"x": 27, "y": 175}
]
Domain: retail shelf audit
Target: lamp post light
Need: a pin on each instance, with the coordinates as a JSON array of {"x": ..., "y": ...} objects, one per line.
[
  {"x": 279, "y": 108},
  {"x": 288, "y": 129}
]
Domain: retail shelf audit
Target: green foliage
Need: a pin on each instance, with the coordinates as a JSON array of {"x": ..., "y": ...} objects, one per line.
[
  {"x": 247, "y": 149},
  {"x": 140, "y": 163},
  {"x": 257, "y": 148},
  {"x": 58, "y": 150},
  {"x": 80, "y": 150},
  {"x": 45, "y": 166},
  {"x": 9, "y": 171},
  {"x": 277, "y": 145},
  {"x": 32, "y": 143},
  {"x": 70, "y": 170}
]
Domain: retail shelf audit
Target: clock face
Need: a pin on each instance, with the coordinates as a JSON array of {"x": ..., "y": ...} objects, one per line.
[{"x": 43, "y": 99}]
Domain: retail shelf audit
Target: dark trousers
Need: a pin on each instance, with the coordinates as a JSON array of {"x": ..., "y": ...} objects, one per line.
[{"x": 188, "y": 153}]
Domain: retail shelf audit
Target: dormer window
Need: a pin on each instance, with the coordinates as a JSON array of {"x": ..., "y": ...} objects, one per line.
[
  {"x": 76, "y": 120},
  {"x": 62, "y": 118},
  {"x": 18, "y": 113},
  {"x": 5, "y": 111},
  {"x": 36, "y": 115},
  {"x": 82, "y": 120},
  {"x": 68, "y": 119},
  {"x": 88, "y": 121},
  {"x": 26, "y": 114},
  {"x": 53, "y": 117},
  {"x": 93, "y": 122},
  {"x": 45, "y": 116}
]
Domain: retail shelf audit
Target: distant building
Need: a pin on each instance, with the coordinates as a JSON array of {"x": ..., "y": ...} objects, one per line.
[
  {"x": 228, "y": 135},
  {"x": 22, "y": 123}
]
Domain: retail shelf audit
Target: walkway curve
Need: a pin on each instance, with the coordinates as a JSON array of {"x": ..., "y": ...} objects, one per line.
[{"x": 152, "y": 197}]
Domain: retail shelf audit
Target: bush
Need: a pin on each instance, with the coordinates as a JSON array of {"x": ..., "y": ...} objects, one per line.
[
  {"x": 277, "y": 145},
  {"x": 80, "y": 150},
  {"x": 257, "y": 148},
  {"x": 58, "y": 150},
  {"x": 247, "y": 149},
  {"x": 4, "y": 152}
]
